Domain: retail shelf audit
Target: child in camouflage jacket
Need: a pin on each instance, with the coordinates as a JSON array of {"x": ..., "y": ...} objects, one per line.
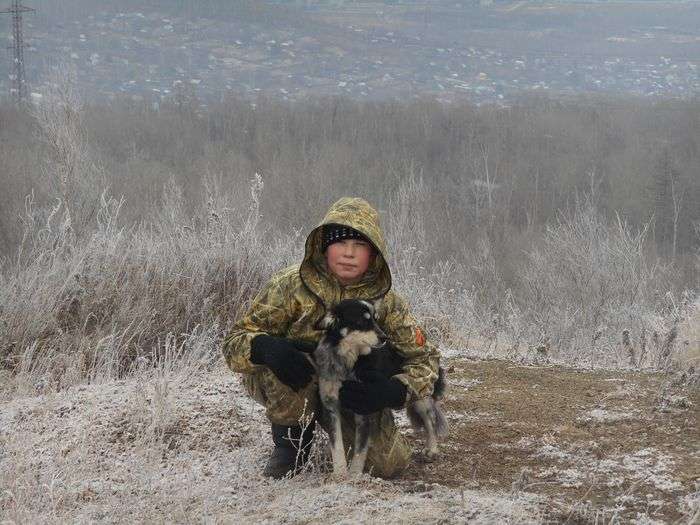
[{"x": 345, "y": 258}]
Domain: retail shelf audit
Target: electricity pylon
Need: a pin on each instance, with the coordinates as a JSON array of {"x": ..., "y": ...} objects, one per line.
[{"x": 19, "y": 84}]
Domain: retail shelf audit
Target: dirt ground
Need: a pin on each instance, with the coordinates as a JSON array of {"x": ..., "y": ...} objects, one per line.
[{"x": 598, "y": 445}]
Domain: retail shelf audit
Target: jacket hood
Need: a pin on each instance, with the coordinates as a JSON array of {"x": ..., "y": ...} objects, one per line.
[{"x": 357, "y": 214}]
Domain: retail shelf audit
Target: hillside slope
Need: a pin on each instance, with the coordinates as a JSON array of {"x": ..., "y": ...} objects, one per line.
[{"x": 528, "y": 444}]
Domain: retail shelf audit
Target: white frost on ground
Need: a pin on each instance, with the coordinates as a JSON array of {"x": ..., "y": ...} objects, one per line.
[
  {"x": 460, "y": 418},
  {"x": 649, "y": 466},
  {"x": 550, "y": 451},
  {"x": 600, "y": 415},
  {"x": 173, "y": 446},
  {"x": 652, "y": 467},
  {"x": 643, "y": 472},
  {"x": 177, "y": 448},
  {"x": 459, "y": 383}
]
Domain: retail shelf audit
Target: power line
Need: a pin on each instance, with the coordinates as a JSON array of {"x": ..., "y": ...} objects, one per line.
[{"x": 19, "y": 84}]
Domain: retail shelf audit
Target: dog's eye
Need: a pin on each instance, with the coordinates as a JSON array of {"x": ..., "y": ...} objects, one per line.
[{"x": 368, "y": 315}]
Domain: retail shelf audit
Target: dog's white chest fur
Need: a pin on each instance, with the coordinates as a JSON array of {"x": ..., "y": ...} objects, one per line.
[
  {"x": 354, "y": 344},
  {"x": 336, "y": 362}
]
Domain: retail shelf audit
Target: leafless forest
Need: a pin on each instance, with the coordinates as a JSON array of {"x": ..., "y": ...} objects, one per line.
[{"x": 547, "y": 227}]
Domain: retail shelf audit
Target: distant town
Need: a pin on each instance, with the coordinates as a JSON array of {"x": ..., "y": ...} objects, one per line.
[{"x": 366, "y": 50}]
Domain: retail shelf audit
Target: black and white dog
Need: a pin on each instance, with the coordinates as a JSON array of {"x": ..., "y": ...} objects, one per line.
[{"x": 352, "y": 334}]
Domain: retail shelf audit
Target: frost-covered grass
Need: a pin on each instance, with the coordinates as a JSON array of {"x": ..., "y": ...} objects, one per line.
[
  {"x": 187, "y": 445},
  {"x": 84, "y": 309},
  {"x": 179, "y": 441}
]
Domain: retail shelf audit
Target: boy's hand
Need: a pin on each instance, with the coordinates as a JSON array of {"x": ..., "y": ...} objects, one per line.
[
  {"x": 283, "y": 357},
  {"x": 303, "y": 346},
  {"x": 373, "y": 393}
]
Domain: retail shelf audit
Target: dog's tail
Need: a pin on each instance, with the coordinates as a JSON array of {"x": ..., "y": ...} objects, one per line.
[
  {"x": 415, "y": 418},
  {"x": 420, "y": 412},
  {"x": 441, "y": 426},
  {"x": 439, "y": 392},
  {"x": 440, "y": 385},
  {"x": 432, "y": 408}
]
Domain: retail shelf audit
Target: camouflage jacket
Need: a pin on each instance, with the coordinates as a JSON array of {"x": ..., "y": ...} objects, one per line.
[{"x": 296, "y": 298}]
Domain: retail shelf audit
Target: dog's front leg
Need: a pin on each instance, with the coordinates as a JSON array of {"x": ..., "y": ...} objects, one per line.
[
  {"x": 329, "y": 398},
  {"x": 340, "y": 466},
  {"x": 362, "y": 431}
]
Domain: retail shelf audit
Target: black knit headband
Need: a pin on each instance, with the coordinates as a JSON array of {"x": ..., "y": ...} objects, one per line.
[{"x": 337, "y": 232}]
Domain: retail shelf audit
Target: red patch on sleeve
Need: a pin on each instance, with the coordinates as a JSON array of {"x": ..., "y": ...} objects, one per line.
[{"x": 420, "y": 338}]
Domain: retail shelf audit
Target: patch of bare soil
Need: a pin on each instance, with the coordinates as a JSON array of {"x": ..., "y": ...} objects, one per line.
[{"x": 597, "y": 445}]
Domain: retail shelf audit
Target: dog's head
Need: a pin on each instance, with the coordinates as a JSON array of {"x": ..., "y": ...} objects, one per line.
[{"x": 354, "y": 315}]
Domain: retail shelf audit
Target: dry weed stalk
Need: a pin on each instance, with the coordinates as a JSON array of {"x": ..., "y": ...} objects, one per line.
[{"x": 85, "y": 308}]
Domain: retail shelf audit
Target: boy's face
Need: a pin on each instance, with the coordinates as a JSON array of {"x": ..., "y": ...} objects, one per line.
[{"x": 349, "y": 259}]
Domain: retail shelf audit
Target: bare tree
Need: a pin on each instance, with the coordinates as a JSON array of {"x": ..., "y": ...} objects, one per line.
[
  {"x": 677, "y": 198},
  {"x": 71, "y": 172},
  {"x": 484, "y": 184}
]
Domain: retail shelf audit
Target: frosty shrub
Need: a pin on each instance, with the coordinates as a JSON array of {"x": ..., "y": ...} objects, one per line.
[
  {"x": 586, "y": 292},
  {"x": 436, "y": 292},
  {"x": 74, "y": 310},
  {"x": 587, "y": 282},
  {"x": 70, "y": 170}
]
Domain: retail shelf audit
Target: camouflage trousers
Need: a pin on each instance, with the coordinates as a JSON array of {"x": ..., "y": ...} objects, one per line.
[{"x": 389, "y": 452}]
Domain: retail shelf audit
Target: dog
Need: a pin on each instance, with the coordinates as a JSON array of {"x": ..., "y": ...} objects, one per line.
[{"x": 351, "y": 335}]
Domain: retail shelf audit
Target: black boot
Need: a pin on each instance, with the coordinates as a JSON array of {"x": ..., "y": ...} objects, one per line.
[{"x": 286, "y": 457}]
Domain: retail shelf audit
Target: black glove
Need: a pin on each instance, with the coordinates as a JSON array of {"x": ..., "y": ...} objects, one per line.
[
  {"x": 284, "y": 358},
  {"x": 303, "y": 346},
  {"x": 372, "y": 393}
]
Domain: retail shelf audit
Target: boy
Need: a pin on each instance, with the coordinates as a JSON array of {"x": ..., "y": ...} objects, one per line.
[{"x": 345, "y": 257}]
